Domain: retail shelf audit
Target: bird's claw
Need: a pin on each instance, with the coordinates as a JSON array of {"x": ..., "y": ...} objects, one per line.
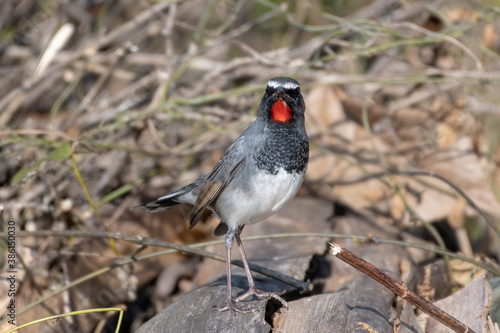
[
  {"x": 231, "y": 305},
  {"x": 262, "y": 294}
]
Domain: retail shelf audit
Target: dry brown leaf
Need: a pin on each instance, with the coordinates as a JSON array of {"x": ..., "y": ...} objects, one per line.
[
  {"x": 446, "y": 135},
  {"x": 490, "y": 36},
  {"x": 324, "y": 109}
]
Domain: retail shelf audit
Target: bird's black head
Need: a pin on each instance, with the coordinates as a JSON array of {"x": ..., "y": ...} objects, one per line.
[{"x": 282, "y": 102}]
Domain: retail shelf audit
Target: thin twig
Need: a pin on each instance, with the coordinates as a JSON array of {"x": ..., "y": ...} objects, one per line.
[{"x": 399, "y": 289}]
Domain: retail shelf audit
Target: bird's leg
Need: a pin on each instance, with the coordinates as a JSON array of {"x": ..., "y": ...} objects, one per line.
[
  {"x": 230, "y": 303},
  {"x": 252, "y": 290}
]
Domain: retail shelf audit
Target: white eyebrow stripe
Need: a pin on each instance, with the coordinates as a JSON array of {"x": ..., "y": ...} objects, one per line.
[{"x": 286, "y": 85}]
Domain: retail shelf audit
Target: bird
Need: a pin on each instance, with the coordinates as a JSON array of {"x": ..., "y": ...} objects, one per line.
[{"x": 256, "y": 176}]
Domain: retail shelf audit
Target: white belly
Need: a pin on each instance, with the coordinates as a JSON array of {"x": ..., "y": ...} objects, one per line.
[{"x": 247, "y": 201}]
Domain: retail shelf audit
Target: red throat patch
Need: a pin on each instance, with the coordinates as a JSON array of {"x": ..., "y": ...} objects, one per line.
[{"x": 281, "y": 112}]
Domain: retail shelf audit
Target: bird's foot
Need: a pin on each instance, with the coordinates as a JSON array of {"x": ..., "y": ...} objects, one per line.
[
  {"x": 231, "y": 305},
  {"x": 261, "y": 294}
]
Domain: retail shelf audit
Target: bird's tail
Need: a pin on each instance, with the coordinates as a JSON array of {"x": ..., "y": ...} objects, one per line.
[
  {"x": 160, "y": 204},
  {"x": 181, "y": 196}
]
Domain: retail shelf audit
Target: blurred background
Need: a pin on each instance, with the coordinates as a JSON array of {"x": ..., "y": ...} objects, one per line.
[{"x": 107, "y": 104}]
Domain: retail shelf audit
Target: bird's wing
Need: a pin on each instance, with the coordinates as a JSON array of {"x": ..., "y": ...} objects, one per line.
[{"x": 214, "y": 185}]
